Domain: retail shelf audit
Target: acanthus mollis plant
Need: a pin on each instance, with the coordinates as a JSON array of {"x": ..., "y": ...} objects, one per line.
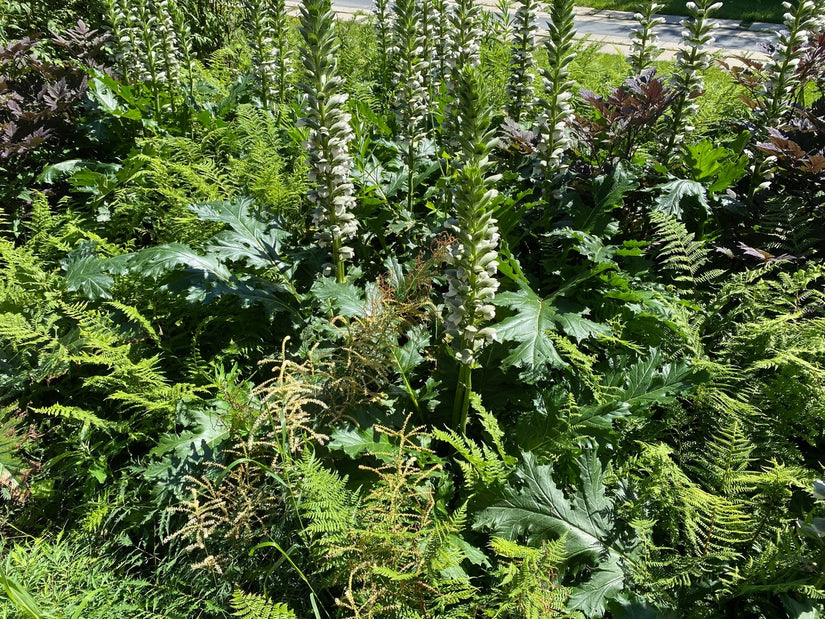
[
  {"x": 783, "y": 82},
  {"x": 644, "y": 46},
  {"x": 142, "y": 21},
  {"x": 148, "y": 46},
  {"x": 122, "y": 41},
  {"x": 439, "y": 68},
  {"x": 169, "y": 51},
  {"x": 464, "y": 51},
  {"x": 474, "y": 255},
  {"x": 428, "y": 29},
  {"x": 465, "y": 35},
  {"x": 411, "y": 101},
  {"x": 522, "y": 61},
  {"x": 691, "y": 62},
  {"x": 329, "y": 136},
  {"x": 555, "y": 108},
  {"x": 185, "y": 49},
  {"x": 268, "y": 26},
  {"x": 383, "y": 39}
]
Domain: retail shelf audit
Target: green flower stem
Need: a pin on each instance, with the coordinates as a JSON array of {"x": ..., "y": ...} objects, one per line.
[{"x": 461, "y": 405}]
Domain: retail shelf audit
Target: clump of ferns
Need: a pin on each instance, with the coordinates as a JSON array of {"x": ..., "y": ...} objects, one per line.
[
  {"x": 329, "y": 136},
  {"x": 522, "y": 62},
  {"x": 411, "y": 100},
  {"x": 554, "y": 106},
  {"x": 388, "y": 547},
  {"x": 474, "y": 256},
  {"x": 271, "y": 57},
  {"x": 644, "y": 42},
  {"x": 687, "y": 80}
]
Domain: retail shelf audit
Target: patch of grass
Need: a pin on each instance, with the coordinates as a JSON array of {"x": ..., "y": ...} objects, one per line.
[{"x": 742, "y": 10}]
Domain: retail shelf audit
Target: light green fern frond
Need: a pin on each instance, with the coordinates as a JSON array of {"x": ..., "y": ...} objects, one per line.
[
  {"x": 251, "y": 606},
  {"x": 528, "y": 575},
  {"x": 680, "y": 252},
  {"x": 328, "y": 506},
  {"x": 726, "y": 458},
  {"x": 483, "y": 466}
]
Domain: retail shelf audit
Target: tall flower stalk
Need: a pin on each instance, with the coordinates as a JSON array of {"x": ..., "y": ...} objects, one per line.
[
  {"x": 268, "y": 28},
  {"x": 782, "y": 81},
  {"x": 329, "y": 135},
  {"x": 474, "y": 255},
  {"x": 464, "y": 51},
  {"x": 558, "y": 90},
  {"x": 143, "y": 21},
  {"x": 149, "y": 47},
  {"x": 688, "y": 75},
  {"x": 522, "y": 61},
  {"x": 168, "y": 48},
  {"x": 644, "y": 42},
  {"x": 428, "y": 30},
  {"x": 411, "y": 102},
  {"x": 439, "y": 68},
  {"x": 383, "y": 39}
]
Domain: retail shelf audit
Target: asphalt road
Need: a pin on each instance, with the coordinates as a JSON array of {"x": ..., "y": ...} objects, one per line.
[{"x": 612, "y": 29}]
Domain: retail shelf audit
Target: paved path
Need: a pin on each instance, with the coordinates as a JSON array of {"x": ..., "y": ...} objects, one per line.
[{"x": 611, "y": 29}]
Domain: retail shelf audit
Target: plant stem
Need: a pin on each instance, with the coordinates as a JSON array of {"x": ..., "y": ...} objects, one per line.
[{"x": 461, "y": 406}]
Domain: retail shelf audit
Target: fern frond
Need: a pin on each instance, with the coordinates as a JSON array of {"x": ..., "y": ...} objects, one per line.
[
  {"x": 727, "y": 456},
  {"x": 252, "y": 606},
  {"x": 680, "y": 253},
  {"x": 134, "y": 315},
  {"x": 527, "y": 579},
  {"x": 74, "y": 413}
]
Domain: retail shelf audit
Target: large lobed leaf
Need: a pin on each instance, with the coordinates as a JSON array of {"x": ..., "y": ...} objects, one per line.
[
  {"x": 249, "y": 238},
  {"x": 538, "y": 510},
  {"x": 529, "y": 327}
]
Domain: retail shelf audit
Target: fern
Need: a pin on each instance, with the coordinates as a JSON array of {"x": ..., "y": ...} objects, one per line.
[
  {"x": 251, "y": 606},
  {"x": 389, "y": 548},
  {"x": 728, "y": 455},
  {"x": 483, "y": 467},
  {"x": 528, "y": 580},
  {"x": 681, "y": 254}
]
